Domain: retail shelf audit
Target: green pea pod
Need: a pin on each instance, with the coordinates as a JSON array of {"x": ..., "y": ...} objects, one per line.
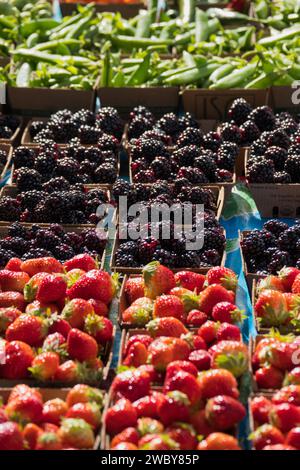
[
  {"x": 182, "y": 39},
  {"x": 139, "y": 77},
  {"x": 62, "y": 49},
  {"x": 144, "y": 24},
  {"x": 79, "y": 27},
  {"x": 295, "y": 71},
  {"x": 45, "y": 46},
  {"x": 55, "y": 59},
  {"x": 44, "y": 25},
  {"x": 263, "y": 81},
  {"x": 105, "y": 73},
  {"x": 188, "y": 59},
  {"x": 287, "y": 33},
  {"x": 127, "y": 43},
  {"x": 201, "y": 26},
  {"x": 118, "y": 79},
  {"x": 285, "y": 80},
  {"x": 192, "y": 75},
  {"x": 23, "y": 76},
  {"x": 236, "y": 79},
  {"x": 187, "y": 10},
  {"x": 32, "y": 40},
  {"x": 262, "y": 10},
  {"x": 221, "y": 72}
]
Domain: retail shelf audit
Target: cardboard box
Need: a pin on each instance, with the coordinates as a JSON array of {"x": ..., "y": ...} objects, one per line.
[
  {"x": 8, "y": 150},
  {"x": 127, "y": 10},
  {"x": 214, "y": 104},
  {"x": 159, "y": 100},
  {"x": 285, "y": 98}
]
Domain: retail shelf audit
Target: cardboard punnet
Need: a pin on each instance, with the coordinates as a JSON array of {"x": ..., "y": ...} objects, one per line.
[
  {"x": 285, "y": 98},
  {"x": 8, "y": 150},
  {"x": 127, "y": 10}
]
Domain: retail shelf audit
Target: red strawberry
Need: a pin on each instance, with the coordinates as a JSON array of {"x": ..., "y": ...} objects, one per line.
[
  {"x": 266, "y": 435},
  {"x": 184, "y": 435},
  {"x": 224, "y": 276},
  {"x": 76, "y": 311},
  {"x": 260, "y": 408},
  {"x": 101, "y": 328},
  {"x": 22, "y": 390},
  {"x": 293, "y": 377},
  {"x": 293, "y": 438},
  {"x": 168, "y": 306},
  {"x": 27, "y": 328},
  {"x": 30, "y": 289},
  {"x": 51, "y": 289},
  {"x": 174, "y": 407},
  {"x": 70, "y": 371},
  {"x": 146, "y": 340},
  {"x": 217, "y": 382},
  {"x": 157, "y": 442},
  {"x": 200, "y": 423},
  {"x": 120, "y": 416},
  {"x": 41, "y": 310},
  {"x": 31, "y": 432},
  {"x": 134, "y": 289},
  {"x": 198, "y": 343},
  {"x": 48, "y": 441},
  {"x": 89, "y": 412},
  {"x": 230, "y": 355},
  {"x": 10, "y": 437},
  {"x": 269, "y": 377},
  {"x": 296, "y": 285},
  {"x": 124, "y": 446},
  {"x": 177, "y": 366},
  {"x": 212, "y": 295},
  {"x": 14, "y": 264},
  {"x": 39, "y": 265},
  {"x": 44, "y": 366},
  {"x": 137, "y": 315},
  {"x": 289, "y": 394},
  {"x": 60, "y": 326},
  {"x": 147, "y": 406},
  {"x": 224, "y": 412},
  {"x": 83, "y": 261},
  {"x": 82, "y": 393},
  {"x": 164, "y": 350},
  {"x": 95, "y": 284},
  {"x": 208, "y": 331},
  {"x": 219, "y": 441},
  {"x": 7, "y": 317},
  {"x": 55, "y": 342},
  {"x": 190, "y": 280},
  {"x": 272, "y": 308},
  {"x": 25, "y": 409},
  {"x": 285, "y": 416},
  {"x": 185, "y": 383},
  {"x": 226, "y": 312},
  {"x": 270, "y": 282},
  {"x": 287, "y": 277},
  {"x": 166, "y": 326},
  {"x": 76, "y": 433},
  {"x": 201, "y": 359},
  {"x": 196, "y": 318},
  {"x": 157, "y": 279},
  {"x": 228, "y": 332},
  {"x": 54, "y": 410},
  {"x": 100, "y": 308},
  {"x": 131, "y": 384},
  {"x": 129, "y": 434},
  {"x": 12, "y": 280},
  {"x": 146, "y": 425},
  {"x": 81, "y": 346},
  {"x": 136, "y": 356},
  {"x": 12, "y": 299},
  {"x": 280, "y": 355}
]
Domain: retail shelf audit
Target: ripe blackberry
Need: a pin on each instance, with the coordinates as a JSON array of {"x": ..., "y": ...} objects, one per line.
[
  {"x": 258, "y": 148},
  {"x": 206, "y": 164},
  {"x": 141, "y": 111},
  {"x": 292, "y": 166},
  {"x": 223, "y": 176},
  {"x": 146, "y": 249},
  {"x": 45, "y": 165},
  {"x": 17, "y": 230},
  {"x": 185, "y": 156},
  {"x": 23, "y": 157},
  {"x": 138, "y": 126},
  {"x": 82, "y": 117},
  {"x": 148, "y": 149},
  {"x": 278, "y": 155},
  {"x": 108, "y": 142},
  {"x": 28, "y": 179},
  {"x": 253, "y": 245},
  {"x": 165, "y": 257},
  {"x": 282, "y": 177},
  {"x": 279, "y": 138},
  {"x": 230, "y": 133},
  {"x": 9, "y": 209},
  {"x": 289, "y": 126},
  {"x": 47, "y": 239},
  {"x": 35, "y": 128},
  {"x": 156, "y": 134},
  {"x": 214, "y": 239},
  {"x": 36, "y": 253},
  {"x": 106, "y": 174},
  {"x": 62, "y": 132},
  {"x": 96, "y": 194},
  {"x": 294, "y": 149},
  {"x": 169, "y": 124},
  {"x": 275, "y": 226},
  {"x": 263, "y": 117},
  {"x": 74, "y": 240},
  {"x": 68, "y": 168},
  {"x": 211, "y": 257},
  {"x": 93, "y": 242},
  {"x": 144, "y": 177},
  {"x": 126, "y": 260},
  {"x": 278, "y": 260},
  {"x": 212, "y": 141},
  {"x": 15, "y": 244},
  {"x": 5, "y": 132},
  {"x": 226, "y": 160},
  {"x": 43, "y": 136},
  {"x": 63, "y": 252},
  {"x": 57, "y": 229},
  {"x": 61, "y": 116},
  {"x": 190, "y": 136},
  {"x": 121, "y": 188},
  {"x": 187, "y": 121},
  {"x": 158, "y": 188},
  {"x": 5, "y": 256},
  {"x": 268, "y": 238},
  {"x": 249, "y": 132},
  {"x": 261, "y": 172},
  {"x": 30, "y": 199},
  {"x": 56, "y": 184},
  {"x": 239, "y": 111},
  {"x": 179, "y": 184},
  {"x": 189, "y": 259},
  {"x": 89, "y": 135},
  {"x": 194, "y": 175},
  {"x": 110, "y": 122},
  {"x": 161, "y": 168},
  {"x": 287, "y": 240},
  {"x": 142, "y": 192}
]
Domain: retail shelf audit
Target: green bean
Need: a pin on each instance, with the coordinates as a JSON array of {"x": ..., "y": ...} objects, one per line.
[
  {"x": 201, "y": 26},
  {"x": 129, "y": 42},
  {"x": 43, "y": 24},
  {"x": 187, "y": 10},
  {"x": 79, "y": 27},
  {"x": 287, "y": 33},
  {"x": 32, "y": 40},
  {"x": 140, "y": 75},
  {"x": 23, "y": 76},
  {"x": 236, "y": 79},
  {"x": 222, "y": 71},
  {"x": 191, "y": 75},
  {"x": 263, "y": 81},
  {"x": 31, "y": 54},
  {"x": 44, "y": 46},
  {"x": 143, "y": 24}
]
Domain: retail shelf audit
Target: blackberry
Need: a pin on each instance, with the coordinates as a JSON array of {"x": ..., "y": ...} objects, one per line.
[
  {"x": 148, "y": 149},
  {"x": 68, "y": 168},
  {"x": 263, "y": 117},
  {"x": 9, "y": 209},
  {"x": 46, "y": 239},
  {"x": 239, "y": 111},
  {"x": 294, "y": 149},
  {"x": 74, "y": 240},
  {"x": 143, "y": 193},
  {"x": 3, "y": 158},
  {"x": 287, "y": 240},
  {"x": 282, "y": 177},
  {"x": 278, "y": 260},
  {"x": 169, "y": 124},
  {"x": 292, "y": 166},
  {"x": 211, "y": 257},
  {"x": 156, "y": 134},
  {"x": 130, "y": 247},
  {"x": 106, "y": 174},
  {"x": 17, "y": 230},
  {"x": 185, "y": 156},
  {"x": 223, "y": 176},
  {"x": 28, "y": 179},
  {"x": 36, "y": 253},
  {"x": 226, "y": 160},
  {"x": 79, "y": 217},
  {"x": 61, "y": 116},
  {"x": 43, "y": 136},
  {"x": 190, "y": 136},
  {"x": 253, "y": 245},
  {"x": 15, "y": 244},
  {"x": 35, "y": 128},
  {"x": 93, "y": 241},
  {"x": 89, "y": 135},
  {"x": 87, "y": 168},
  {"x": 179, "y": 184},
  {"x": 63, "y": 252},
  {"x": 278, "y": 138},
  {"x": 249, "y": 132},
  {"x": 261, "y": 172},
  {"x": 258, "y": 148},
  {"x": 45, "y": 165},
  {"x": 5, "y": 132},
  {"x": 108, "y": 142},
  {"x": 138, "y": 126},
  {"x": 161, "y": 168},
  {"x": 121, "y": 188},
  {"x": 189, "y": 259},
  {"x": 165, "y": 257},
  {"x": 231, "y": 133},
  {"x": 158, "y": 188},
  {"x": 146, "y": 249},
  {"x": 56, "y": 184},
  {"x": 206, "y": 164},
  {"x": 212, "y": 141},
  {"x": 125, "y": 259},
  {"x": 83, "y": 116},
  {"x": 144, "y": 177},
  {"x": 30, "y": 199},
  {"x": 268, "y": 238},
  {"x": 278, "y": 155},
  {"x": 23, "y": 157},
  {"x": 275, "y": 226},
  {"x": 214, "y": 239},
  {"x": 76, "y": 199},
  {"x": 96, "y": 194},
  {"x": 141, "y": 111},
  {"x": 110, "y": 122},
  {"x": 194, "y": 175},
  {"x": 187, "y": 121},
  {"x": 57, "y": 229},
  {"x": 289, "y": 126},
  {"x": 62, "y": 132},
  {"x": 5, "y": 256}
]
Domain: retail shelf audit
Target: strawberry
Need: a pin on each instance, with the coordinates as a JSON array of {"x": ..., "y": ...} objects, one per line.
[
  {"x": 27, "y": 328},
  {"x": 185, "y": 383},
  {"x": 168, "y": 305},
  {"x": 226, "y": 312},
  {"x": 60, "y": 326},
  {"x": 293, "y": 377},
  {"x": 120, "y": 416},
  {"x": 30, "y": 434},
  {"x": 266, "y": 435},
  {"x": 73, "y": 276},
  {"x": 129, "y": 435},
  {"x": 196, "y": 318},
  {"x": 44, "y": 366},
  {"x": 100, "y": 308},
  {"x": 76, "y": 433},
  {"x": 25, "y": 409},
  {"x": 212, "y": 295},
  {"x": 7, "y": 317},
  {"x": 131, "y": 384},
  {"x": 223, "y": 276},
  {"x": 55, "y": 343},
  {"x": 293, "y": 438},
  {"x": 146, "y": 425},
  {"x": 18, "y": 357},
  {"x": 224, "y": 412},
  {"x": 157, "y": 442},
  {"x": 82, "y": 393},
  {"x": 48, "y": 441},
  {"x": 146, "y": 340},
  {"x": 288, "y": 394},
  {"x": 54, "y": 410},
  {"x": 174, "y": 407},
  {"x": 164, "y": 350},
  {"x": 271, "y": 307},
  {"x": 287, "y": 277},
  {"x": 39, "y": 265},
  {"x": 296, "y": 285},
  {"x": 136, "y": 315},
  {"x": 83, "y": 261},
  {"x": 95, "y": 284},
  {"x": 14, "y": 264},
  {"x": 10, "y": 437},
  {"x": 124, "y": 446},
  {"x": 21, "y": 390},
  {"x": 76, "y": 311},
  {"x": 158, "y": 279},
  {"x": 200, "y": 423},
  {"x": 12, "y": 299},
  {"x": 260, "y": 408},
  {"x": 12, "y": 280},
  {"x": 230, "y": 355},
  {"x": 166, "y": 326},
  {"x": 279, "y": 447},
  {"x": 90, "y": 412},
  {"x": 134, "y": 289},
  {"x": 270, "y": 283},
  {"x": 136, "y": 356},
  {"x": 70, "y": 371},
  {"x": 285, "y": 416},
  {"x": 147, "y": 406},
  {"x": 228, "y": 332},
  {"x": 269, "y": 377},
  {"x": 219, "y": 441},
  {"x": 81, "y": 346},
  {"x": 201, "y": 359},
  {"x": 177, "y": 366},
  {"x": 51, "y": 289},
  {"x": 184, "y": 435},
  {"x": 217, "y": 382},
  {"x": 101, "y": 328},
  {"x": 208, "y": 331},
  {"x": 198, "y": 343},
  {"x": 41, "y": 310},
  {"x": 190, "y": 280}
]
